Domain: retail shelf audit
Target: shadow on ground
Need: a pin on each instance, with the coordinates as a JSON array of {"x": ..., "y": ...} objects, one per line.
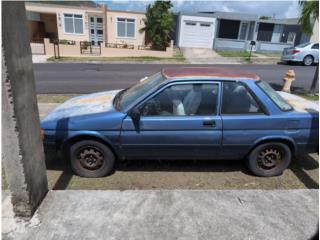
[{"x": 229, "y": 174}]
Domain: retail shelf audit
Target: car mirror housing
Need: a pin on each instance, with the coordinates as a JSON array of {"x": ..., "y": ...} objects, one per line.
[{"x": 135, "y": 115}]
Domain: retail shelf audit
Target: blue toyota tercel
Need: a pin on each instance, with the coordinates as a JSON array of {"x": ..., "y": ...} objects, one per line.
[{"x": 184, "y": 113}]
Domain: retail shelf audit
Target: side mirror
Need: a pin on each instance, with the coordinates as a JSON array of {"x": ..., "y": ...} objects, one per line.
[{"x": 135, "y": 115}]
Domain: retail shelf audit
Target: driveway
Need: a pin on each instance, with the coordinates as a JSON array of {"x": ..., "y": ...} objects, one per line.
[
  {"x": 205, "y": 56},
  {"x": 169, "y": 214}
]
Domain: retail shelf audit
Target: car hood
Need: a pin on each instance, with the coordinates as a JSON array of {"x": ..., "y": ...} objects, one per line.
[
  {"x": 83, "y": 105},
  {"x": 300, "y": 104}
]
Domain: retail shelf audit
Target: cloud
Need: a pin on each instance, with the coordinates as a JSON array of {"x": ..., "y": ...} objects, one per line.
[{"x": 279, "y": 9}]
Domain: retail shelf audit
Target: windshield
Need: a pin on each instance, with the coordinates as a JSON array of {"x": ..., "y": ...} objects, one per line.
[
  {"x": 275, "y": 97},
  {"x": 133, "y": 93}
]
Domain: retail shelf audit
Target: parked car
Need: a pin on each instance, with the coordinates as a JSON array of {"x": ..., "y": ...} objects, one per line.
[
  {"x": 184, "y": 113},
  {"x": 306, "y": 53}
]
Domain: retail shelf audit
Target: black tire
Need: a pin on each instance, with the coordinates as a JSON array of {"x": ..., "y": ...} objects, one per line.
[
  {"x": 269, "y": 159},
  {"x": 308, "y": 60},
  {"x": 91, "y": 159}
]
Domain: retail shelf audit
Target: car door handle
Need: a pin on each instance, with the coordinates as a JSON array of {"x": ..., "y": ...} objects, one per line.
[{"x": 209, "y": 123}]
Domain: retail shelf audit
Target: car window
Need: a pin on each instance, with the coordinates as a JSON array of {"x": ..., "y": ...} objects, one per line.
[
  {"x": 275, "y": 97},
  {"x": 302, "y": 45},
  {"x": 236, "y": 99},
  {"x": 139, "y": 89},
  {"x": 183, "y": 100},
  {"x": 315, "y": 46}
]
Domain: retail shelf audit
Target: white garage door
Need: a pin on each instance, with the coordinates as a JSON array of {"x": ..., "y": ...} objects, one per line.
[{"x": 196, "y": 34}]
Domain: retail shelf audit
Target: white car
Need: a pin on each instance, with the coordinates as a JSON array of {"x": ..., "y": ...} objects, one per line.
[{"x": 307, "y": 53}]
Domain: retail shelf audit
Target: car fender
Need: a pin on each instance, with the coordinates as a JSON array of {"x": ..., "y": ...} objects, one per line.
[
  {"x": 274, "y": 138},
  {"x": 79, "y": 135}
]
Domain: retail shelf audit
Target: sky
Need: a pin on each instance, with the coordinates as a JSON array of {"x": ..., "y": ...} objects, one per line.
[{"x": 272, "y": 8}]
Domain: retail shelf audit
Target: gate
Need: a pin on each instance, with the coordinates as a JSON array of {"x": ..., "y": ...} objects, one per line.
[
  {"x": 87, "y": 48},
  {"x": 37, "y": 47}
]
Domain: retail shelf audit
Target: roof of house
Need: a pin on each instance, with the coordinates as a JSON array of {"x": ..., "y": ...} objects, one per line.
[
  {"x": 286, "y": 21},
  {"x": 207, "y": 72}
]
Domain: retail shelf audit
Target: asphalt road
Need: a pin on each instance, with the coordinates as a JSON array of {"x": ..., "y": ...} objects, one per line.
[{"x": 89, "y": 77}]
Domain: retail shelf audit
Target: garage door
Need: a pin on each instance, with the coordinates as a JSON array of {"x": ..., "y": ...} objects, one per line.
[{"x": 196, "y": 34}]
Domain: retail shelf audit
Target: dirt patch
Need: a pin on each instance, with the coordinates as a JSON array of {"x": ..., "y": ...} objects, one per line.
[{"x": 303, "y": 173}]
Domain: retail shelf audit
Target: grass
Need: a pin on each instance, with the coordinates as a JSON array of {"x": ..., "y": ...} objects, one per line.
[
  {"x": 273, "y": 55},
  {"x": 308, "y": 96},
  {"x": 54, "y": 98},
  {"x": 177, "y": 56},
  {"x": 241, "y": 54}
]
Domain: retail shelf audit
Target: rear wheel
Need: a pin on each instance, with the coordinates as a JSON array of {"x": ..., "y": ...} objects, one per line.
[
  {"x": 308, "y": 60},
  {"x": 91, "y": 159},
  {"x": 269, "y": 159}
]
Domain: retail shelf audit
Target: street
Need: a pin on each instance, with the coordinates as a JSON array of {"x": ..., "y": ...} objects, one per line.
[{"x": 58, "y": 78}]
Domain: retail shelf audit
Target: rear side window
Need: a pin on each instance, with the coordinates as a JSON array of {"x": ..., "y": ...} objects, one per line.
[
  {"x": 275, "y": 97},
  {"x": 236, "y": 99},
  {"x": 315, "y": 46}
]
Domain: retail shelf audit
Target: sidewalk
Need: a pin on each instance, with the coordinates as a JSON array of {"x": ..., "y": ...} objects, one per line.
[{"x": 165, "y": 214}]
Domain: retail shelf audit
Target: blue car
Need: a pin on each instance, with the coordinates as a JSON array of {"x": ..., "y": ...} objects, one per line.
[{"x": 184, "y": 113}]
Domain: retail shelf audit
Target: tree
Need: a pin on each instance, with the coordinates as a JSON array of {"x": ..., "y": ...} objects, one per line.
[
  {"x": 159, "y": 22},
  {"x": 309, "y": 15},
  {"x": 264, "y": 17}
]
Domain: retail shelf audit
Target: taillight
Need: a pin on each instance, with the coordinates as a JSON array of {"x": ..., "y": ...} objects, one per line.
[{"x": 294, "y": 51}]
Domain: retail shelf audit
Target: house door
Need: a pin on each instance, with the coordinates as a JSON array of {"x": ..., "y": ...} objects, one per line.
[{"x": 96, "y": 30}]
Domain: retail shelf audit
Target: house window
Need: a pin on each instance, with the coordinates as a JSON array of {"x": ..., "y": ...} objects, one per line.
[
  {"x": 243, "y": 31},
  {"x": 190, "y": 23},
  {"x": 73, "y": 23},
  {"x": 205, "y": 24},
  {"x": 229, "y": 29},
  {"x": 265, "y": 32},
  {"x": 99, "y": 31},
  {"x": 99, "y": 20},
  {"x": 125, "y": 27}
]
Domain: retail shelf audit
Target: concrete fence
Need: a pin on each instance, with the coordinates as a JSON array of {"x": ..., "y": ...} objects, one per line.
[
  {"x": 244, "y": 45},
  {"x": 74, "y": 50}
]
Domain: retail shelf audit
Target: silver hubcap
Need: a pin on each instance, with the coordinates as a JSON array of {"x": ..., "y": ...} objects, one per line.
[{"x": 308, "y": 61}]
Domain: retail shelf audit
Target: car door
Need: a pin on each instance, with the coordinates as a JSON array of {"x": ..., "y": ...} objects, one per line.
[
  {"x": 315, "y": 52},
  {"x": 244, "y": 120},
  {"x": 180, "y": 121}
]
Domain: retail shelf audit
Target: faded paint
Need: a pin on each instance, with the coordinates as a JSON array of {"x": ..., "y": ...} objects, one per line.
[
  {"x": 83, "y": 105},
  {"x": 208, "y": 72},
  {"x": 300, "y": 104}
]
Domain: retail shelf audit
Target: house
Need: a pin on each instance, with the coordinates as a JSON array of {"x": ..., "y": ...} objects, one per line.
[
  {"x": 94, "y": 24},
  {"x": 236, "y": 31}
]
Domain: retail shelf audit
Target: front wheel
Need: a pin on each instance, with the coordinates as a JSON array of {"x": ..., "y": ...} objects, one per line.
[
  {"x": 91, "y": 159},
  {"x": 269, "y": 159}
]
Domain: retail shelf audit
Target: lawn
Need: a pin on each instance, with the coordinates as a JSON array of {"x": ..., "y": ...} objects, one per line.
[
  {"x": 241, "y": 54},
  {"x": 177, "y": 57}
]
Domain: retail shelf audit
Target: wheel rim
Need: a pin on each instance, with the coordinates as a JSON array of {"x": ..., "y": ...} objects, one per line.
[
  {"x": 308, "y": 61},
  {"x": 269, "y": 158},
  {"x": 90, "y": 158}
]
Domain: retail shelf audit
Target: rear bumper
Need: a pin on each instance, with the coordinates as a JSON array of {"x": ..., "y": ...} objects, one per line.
[{"x": 290, "y": 58}]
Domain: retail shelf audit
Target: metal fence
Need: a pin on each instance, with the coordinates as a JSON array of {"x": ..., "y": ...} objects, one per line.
[{"x": 87, "y": 48}]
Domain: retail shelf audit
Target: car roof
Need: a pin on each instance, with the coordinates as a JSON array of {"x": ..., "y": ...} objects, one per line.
[{"x": 208, "y": 73}]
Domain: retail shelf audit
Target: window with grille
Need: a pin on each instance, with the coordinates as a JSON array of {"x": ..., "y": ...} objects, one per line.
[
  {"x": 126, "y": 27},
  {"x": 73, "y": 23}
]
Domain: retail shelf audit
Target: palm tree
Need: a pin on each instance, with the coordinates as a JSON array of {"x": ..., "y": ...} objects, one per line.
[
  {"x": 309, "y": 15},
  {"x": 159, "y": 23}
]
